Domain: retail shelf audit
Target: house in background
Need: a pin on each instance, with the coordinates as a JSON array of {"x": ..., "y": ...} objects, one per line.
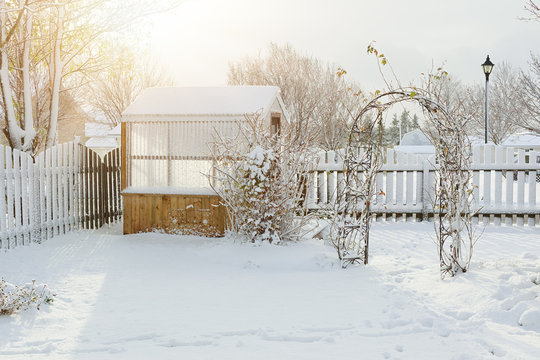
[
  {"x": 72, "y": 120},
  {"x": 527, "y": 141},
  {"x": 102, "y": 137},
  {"x": 415, "y": 142},
  {"x": 166, "y": 138}
]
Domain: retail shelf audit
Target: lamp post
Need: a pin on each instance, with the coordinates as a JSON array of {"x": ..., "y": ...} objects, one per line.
[{"x": 487, "y": 66}]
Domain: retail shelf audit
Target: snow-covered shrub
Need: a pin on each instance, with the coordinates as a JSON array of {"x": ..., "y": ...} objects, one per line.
[
  {"x": 259, "y": 173},
  {"x": 261, "y": 179},
  {"x": 15, "y": 298}
]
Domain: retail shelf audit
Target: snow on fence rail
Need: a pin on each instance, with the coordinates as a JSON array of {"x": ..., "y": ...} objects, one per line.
[
  {"x": 65, "y": 188},
  {"x": 506, "y": 184}
]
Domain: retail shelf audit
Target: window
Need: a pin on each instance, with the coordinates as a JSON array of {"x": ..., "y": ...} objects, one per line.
[
  {"x": 275, "y": 126},
  {"x": 171, "y": 153}
]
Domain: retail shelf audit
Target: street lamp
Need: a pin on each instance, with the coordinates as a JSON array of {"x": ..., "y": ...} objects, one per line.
[{"x": 487, "y": 66}]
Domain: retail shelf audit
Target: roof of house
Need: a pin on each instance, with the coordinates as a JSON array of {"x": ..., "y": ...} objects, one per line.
[
  {"x": 102, "y": 143},
  {"x": 225, "y": 100},
  {"x": 415, "y": 149},
  {"x": 414, "y": 138},
  {"x": 116, "y": 131},
  {"x": 522, "y": 140},
  {"x": 92, "y": 129}
]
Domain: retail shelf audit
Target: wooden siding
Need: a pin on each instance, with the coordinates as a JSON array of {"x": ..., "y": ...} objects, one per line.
[{"x": 182, "y": 214}]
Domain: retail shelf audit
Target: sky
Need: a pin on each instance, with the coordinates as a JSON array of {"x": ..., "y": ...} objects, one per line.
[{"x": 198, "y": 40}]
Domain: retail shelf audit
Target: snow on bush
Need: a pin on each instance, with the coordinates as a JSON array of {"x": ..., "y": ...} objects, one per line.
[
  {"x": 259, "y": 173},
  {"x": 15, "y": 298},
  {"x": 261, "y": 179}
]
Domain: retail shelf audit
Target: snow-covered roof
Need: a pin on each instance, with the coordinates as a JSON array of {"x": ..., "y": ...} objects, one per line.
[
  {"x": 96, "y": 129},
  {"x": 116, "y": 131},
  {"x": 225, "y": 100},
  {"x": 102, "y": 143},
  {"x": 415, "y": 149},
  {"x": 415, "y": 137},
  {"x": 478, "y": 140},
  {"x": 522, "y": 140}
]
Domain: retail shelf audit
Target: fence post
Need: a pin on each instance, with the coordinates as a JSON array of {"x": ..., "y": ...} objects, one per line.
[
  {"x": 85, "y": 188},
  {"x": 103, "y": 192},
  {"x": 18, "y": 197},
  {"x": 10, "y": 198},
  {"x": 77, "y": 184},
  {"x": 40, "y": 164},
  {"x": 3, "y": 183},
  {"x": 425, "y": 189},
  {"x": 91, "y": 189},
  {"x": 24, "y": 199},
  {"x": 117, "y": 205},
  {"x": 35, "y": 222}
]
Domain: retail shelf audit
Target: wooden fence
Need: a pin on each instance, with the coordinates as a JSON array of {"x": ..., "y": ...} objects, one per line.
[
  {"x": 506, "y": 185},
  {"x": 65, "y": 188},
  {"x": 69, "y": 187}
]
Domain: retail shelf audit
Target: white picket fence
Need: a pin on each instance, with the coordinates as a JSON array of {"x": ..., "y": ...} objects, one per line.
[
  {"x": 48, "y": 196},
  {"x": 506, "y": 184}
]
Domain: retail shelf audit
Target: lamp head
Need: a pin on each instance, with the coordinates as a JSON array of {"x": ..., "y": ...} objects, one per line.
[{"x": 487, "y": 66}]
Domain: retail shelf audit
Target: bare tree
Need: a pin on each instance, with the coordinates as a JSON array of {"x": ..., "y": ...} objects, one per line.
[
  {"x": 505, "y": 104},
  {"x": 116, "y": 86},
  {"x": 533, "y": 9},
  {"x": 316, "y": 96},
  {"x": 531, "y": 96},
  {"x": 13, "y": 22},
  {"x": 47, "y": 46}
]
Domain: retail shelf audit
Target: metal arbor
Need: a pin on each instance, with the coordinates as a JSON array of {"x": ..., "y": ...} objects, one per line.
[{"x": 363, "y": 158}]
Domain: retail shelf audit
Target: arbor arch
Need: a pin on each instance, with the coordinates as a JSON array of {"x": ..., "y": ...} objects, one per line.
[{"x": 364, "y": 158}]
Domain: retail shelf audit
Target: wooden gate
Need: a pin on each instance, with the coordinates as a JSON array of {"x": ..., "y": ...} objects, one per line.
[{"x": 99, "y": 186}]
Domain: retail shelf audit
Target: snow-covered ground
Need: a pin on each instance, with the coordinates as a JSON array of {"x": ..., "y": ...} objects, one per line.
[{"x": 153, "y": 296}]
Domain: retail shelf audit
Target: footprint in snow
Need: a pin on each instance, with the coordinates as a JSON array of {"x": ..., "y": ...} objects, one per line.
[
  {"x": 251, "y": 265},
  {"x": 176, "y": 343},
  {"x": 426, "y": 322},
  {"x": 460, "y": 315},
  {"x": 493, "y": 349},
  {"x": 529, "y": 256},
  {"x": 530, "y": 319}
]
